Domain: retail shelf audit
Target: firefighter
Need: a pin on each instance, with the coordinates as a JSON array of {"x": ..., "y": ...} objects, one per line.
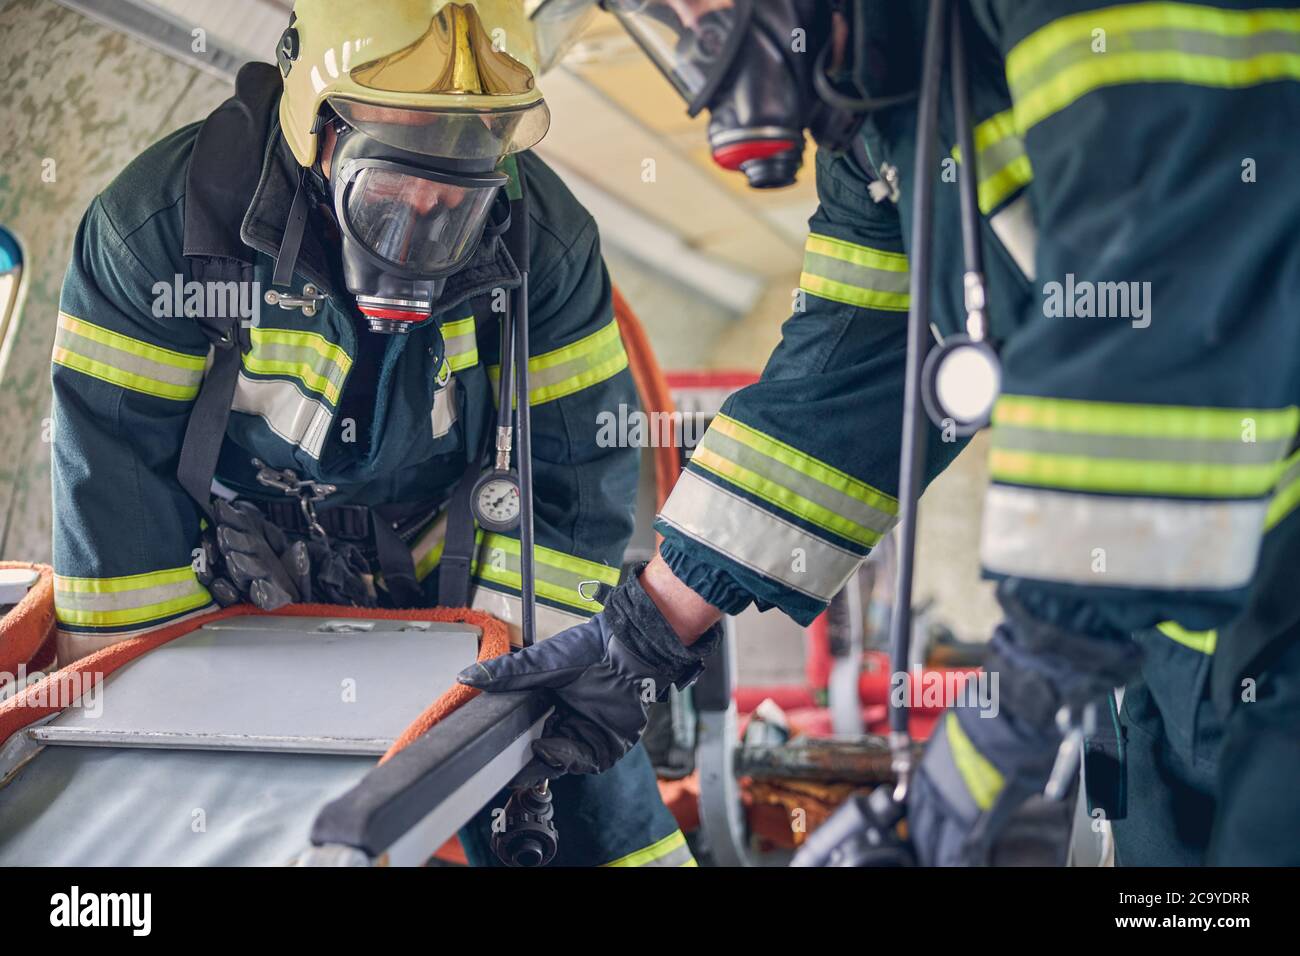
[
  {"x": 368, "y": 190},
  {"x": 1142, "y": 275}
]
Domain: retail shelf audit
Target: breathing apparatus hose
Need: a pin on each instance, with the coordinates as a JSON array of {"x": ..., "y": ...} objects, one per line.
[
  {"x": 913, "y": 449},
  {"x": 527, "y": 596}
]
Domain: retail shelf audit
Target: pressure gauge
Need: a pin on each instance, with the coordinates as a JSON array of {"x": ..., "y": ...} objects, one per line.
[
  {"x": 960, "y": 384},
  {"x": 495, "y": 500}
]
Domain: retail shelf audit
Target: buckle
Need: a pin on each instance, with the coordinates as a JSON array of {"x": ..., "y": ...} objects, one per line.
[{"x": 308, "y": 492}]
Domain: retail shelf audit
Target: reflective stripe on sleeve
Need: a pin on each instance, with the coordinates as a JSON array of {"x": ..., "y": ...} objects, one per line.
[
  {"x": 672, "y": 850},
  {"x": 795, "y": 482},
  {"x": 572, "y": 368},
  {"x": 1001, "y": 163},
  {"x": 757, "y": 539},
  {"x": 1149, "y": 43},
  {"x": 126, "y": 362},
  {"x": 854, "y": 274},
  {"x": 133, "y": 599},
  {"x": 1287, "y": 497},
  {"x": 1139, "y": 449},
  {"x": 1123, "y": 542}
]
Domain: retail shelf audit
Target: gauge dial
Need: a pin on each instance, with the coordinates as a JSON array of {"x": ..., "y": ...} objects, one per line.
[{"x": 496, "y": 501}]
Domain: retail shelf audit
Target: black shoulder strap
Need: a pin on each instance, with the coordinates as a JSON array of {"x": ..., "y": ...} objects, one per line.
[
  {"x": 225, "y": 166},
  {"x": 459, "y": 544}
]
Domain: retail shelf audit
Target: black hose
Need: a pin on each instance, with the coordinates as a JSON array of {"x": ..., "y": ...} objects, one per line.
[
  {"x": 524, "y": 443},
  {"x": 912, "y": 453},
  {"x": 967, "y": 174}
]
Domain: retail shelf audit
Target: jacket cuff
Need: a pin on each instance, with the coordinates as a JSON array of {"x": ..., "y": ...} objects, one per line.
[{"x": 728, "y": 586}]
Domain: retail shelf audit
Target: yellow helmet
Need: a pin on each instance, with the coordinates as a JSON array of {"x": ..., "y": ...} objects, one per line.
[{"x": 443, "y": 78}]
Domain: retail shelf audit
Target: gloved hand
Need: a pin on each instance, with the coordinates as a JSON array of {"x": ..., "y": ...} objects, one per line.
[
  {"x": 247, "y": 558},
  {"x": 340, "y": 574},
  {"x": 981, "y": 766},
  {"x": 602, "y": 676}
]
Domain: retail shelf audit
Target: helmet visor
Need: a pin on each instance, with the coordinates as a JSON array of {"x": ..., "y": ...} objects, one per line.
[
  {"x": 466, "y": 134},
  {"x": 422, "y": 222},
  {"x": 692, "y": 42}
]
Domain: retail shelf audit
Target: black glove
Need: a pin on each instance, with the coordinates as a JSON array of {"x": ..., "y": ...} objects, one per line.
[
  {"x": 253, "y": 560},
  {"x": 248, "y": 558},
  {"x": 602, "y": 676},
  {"x": 340, "y": 574}
]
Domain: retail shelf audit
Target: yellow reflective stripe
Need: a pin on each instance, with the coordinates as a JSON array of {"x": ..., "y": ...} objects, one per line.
[
  {"x": 133, "y": 599},
  {"x": 1134, "y": 476},
  {"x": 672, "y": 850},
  {"x": 559, "y": 576},
  {"x": 306, "y": 356},
  {"x": 1139, "y": 449},
  {"x": 1202, "y": 641},
  {"x": 1158, "y": 421},
  {"x": 983, "y": 780},
  {"x": 853, "y": 274},
  {"x": 582, "y": 364},
  {"x": 1000, "y": 160},
  {"x": 126, "y": 362},
  {"x": 804, "y": 486},
  {"x": 461, "y": 343},
  {"x": 1287, "y": 497},
  {"x": 1149, "y": 43},
  {"x": 497, "y": 559}
]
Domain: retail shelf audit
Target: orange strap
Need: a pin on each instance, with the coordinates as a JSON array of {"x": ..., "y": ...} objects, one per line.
[
  {"x": 66, "y": 684},
  {"x": 653, "y": 390},
  {"x": 30, "y": 624}
]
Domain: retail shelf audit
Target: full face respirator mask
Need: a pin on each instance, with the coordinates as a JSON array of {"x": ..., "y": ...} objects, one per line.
[
  {"x": 407, "y": 221},
  {"x": 766, "y": 71}
]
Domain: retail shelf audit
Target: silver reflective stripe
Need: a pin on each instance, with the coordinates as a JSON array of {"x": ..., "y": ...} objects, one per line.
[
  {"x": 297, "y": 419},
  {"x": 1015, "y": 228},
  {"x": 820, "y": 492},
  {"x": 1111, "y": 541},
  {"x": 757, "y": 539},
  {"x": 443, "y": 415},
  {"x": 460, "y": 344},
  {"x": 1193, "y": 451},
  {"x": 1158, "y": 42},
  {"x": 854, "y": 274}
]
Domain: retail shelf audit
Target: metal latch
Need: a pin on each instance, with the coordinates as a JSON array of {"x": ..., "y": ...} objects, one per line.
[
  {"x": 308, "y": 492},
  {"x": 311, "y": 297}
]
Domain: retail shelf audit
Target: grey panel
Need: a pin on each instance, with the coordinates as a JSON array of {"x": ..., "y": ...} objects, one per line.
[
  {"x": 98, "y": 806},
  {"x": 306, "y": 685}
]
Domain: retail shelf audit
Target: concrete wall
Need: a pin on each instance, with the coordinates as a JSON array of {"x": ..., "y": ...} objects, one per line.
[{"x": 78, "y": 102}]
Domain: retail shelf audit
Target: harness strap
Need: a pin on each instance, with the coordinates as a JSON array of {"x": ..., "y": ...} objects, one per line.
[
  {"x": 459, "y": 544},
  {"x": 206, "y": 429}
]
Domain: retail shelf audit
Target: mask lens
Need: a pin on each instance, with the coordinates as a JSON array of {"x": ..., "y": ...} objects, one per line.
[
  {"x": 424, "y": 225},
  {"x": 692, "y": 42}
]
